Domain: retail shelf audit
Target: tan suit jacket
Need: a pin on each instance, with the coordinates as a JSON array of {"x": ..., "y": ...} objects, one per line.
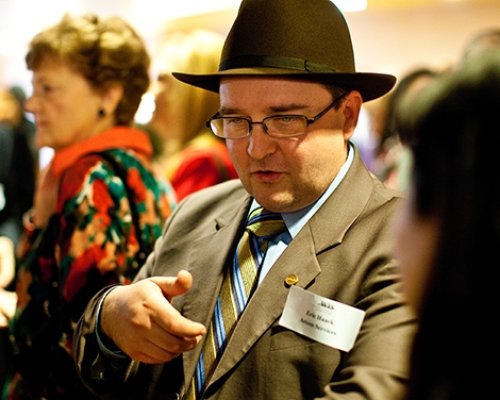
[{"x": 342, "y": 253}]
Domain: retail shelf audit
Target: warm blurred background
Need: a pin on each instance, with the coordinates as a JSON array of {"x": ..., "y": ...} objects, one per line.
[
  {"x": 389, "y": 35},
  {"x": 394, "y": 36}
]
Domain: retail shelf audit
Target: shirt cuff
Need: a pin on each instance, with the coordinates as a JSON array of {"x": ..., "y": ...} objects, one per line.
[{"x": 109, "y": 350}]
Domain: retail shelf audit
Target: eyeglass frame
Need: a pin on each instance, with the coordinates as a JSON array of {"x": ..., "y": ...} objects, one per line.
[{"x": 309, "y": 121}]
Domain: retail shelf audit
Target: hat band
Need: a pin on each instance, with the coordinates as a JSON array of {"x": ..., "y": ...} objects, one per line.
[{"x": 274, "y": 62}]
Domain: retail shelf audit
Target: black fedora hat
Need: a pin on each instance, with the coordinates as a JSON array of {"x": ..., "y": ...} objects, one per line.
[{"x": 303, "y": 39}]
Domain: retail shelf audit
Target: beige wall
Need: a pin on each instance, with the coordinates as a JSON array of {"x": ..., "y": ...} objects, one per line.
[{"x": 398, "y": 40}]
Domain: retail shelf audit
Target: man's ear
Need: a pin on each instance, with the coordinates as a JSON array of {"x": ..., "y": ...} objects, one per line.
[
  {"x": 111, "y": 96},
  {"x": 352, "y": 108}
]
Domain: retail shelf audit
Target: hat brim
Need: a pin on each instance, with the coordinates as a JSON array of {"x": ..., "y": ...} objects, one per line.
[{"x": 370, "y": 85}]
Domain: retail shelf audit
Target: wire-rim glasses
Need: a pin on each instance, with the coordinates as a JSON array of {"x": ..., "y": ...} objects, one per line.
[{"x": 281, "y": 125}]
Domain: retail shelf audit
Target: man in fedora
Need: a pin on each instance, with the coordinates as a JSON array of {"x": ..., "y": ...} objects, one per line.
[{"x": 296, "y": 301}]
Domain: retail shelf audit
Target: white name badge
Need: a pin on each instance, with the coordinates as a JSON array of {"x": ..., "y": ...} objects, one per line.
[{"x": 327, "y": 321}]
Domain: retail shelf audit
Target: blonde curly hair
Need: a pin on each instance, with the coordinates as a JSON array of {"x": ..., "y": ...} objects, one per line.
[{"x": 104, "y": 50}]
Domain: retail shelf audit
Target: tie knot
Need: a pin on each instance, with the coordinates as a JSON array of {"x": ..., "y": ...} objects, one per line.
[{"x": 265, "y": 224}]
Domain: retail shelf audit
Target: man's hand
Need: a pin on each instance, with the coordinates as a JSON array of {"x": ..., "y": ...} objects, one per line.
[{"x": 140, "y": 320}]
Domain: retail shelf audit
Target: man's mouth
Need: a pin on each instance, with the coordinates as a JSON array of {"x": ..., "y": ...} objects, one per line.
[{"x": 266, "y": 175}]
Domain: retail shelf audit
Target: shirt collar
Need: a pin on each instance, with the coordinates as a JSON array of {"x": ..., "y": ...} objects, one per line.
[{"x": 294, "y": 221}]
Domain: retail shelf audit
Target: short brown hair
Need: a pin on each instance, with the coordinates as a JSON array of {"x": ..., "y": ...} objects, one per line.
[{"x": 104, "y": 51}]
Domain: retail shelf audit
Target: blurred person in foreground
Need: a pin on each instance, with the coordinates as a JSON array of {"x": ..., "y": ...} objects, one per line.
[
  {"x": 448, "y": 235},
  {"x": 98, "y": 208},
  {"x": 192, "y": 157},
  {"x": 290, "y": 99}
]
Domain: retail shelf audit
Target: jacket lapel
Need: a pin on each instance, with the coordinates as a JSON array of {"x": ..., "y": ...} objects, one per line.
[
  {"x": 208, "y": 271},
  {"x": 325, "y": 230},
  {"x": 266, "y": 304}
]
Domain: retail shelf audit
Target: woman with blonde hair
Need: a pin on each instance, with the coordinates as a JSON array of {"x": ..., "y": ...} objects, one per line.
[
  {"x": 98, "y": 208},
  {"x": 193, "y": 158}
]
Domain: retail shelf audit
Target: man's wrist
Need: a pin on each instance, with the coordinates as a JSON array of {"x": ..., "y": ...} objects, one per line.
[{"x": 106, "y": 345}]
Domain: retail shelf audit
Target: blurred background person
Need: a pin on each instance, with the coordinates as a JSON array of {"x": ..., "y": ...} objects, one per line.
[
  {"x": 392, "y": 157},
  {"x": 17, "y": 185},
  {"x": 193, "y": 157},
  {"x": 18, "y": 168},
  {"x": 21, "y": 124},
  {"x": 447, "y": 237},
  {"x": 98, "y": 208},
  {"x": 483, "y": 40},
  {"x": 364, "y": 137}
]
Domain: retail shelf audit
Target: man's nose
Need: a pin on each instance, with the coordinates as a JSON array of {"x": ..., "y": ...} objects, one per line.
[{"x": 260, "y": 143}]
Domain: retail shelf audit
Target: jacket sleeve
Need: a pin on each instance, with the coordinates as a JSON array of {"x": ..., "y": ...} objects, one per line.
[
  {"x": 99, "y": 372},
  {"x": 106, "y": 376}
]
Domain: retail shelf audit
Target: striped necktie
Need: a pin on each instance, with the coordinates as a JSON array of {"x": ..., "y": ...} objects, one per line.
[{"x": 237, "y": 287}]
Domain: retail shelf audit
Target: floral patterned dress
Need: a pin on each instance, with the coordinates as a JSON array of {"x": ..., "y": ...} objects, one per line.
[{"x": 90, "y": 242}]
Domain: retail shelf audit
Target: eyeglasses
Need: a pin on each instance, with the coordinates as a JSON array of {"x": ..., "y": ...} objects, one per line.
[{"x": 279, "y": 126}]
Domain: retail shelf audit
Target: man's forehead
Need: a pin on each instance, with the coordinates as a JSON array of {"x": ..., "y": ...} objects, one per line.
[{"x": 241, "y": 95}]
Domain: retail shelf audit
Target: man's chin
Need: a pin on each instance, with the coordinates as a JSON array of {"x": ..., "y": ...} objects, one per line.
[{"x": 275, "y": 202}]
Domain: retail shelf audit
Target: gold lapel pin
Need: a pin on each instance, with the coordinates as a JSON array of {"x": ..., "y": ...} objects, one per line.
[{"x": 291, "y": 279}]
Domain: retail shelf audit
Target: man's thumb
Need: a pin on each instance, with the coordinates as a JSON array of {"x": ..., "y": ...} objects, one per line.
[{"x": 174, "y": 286}]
